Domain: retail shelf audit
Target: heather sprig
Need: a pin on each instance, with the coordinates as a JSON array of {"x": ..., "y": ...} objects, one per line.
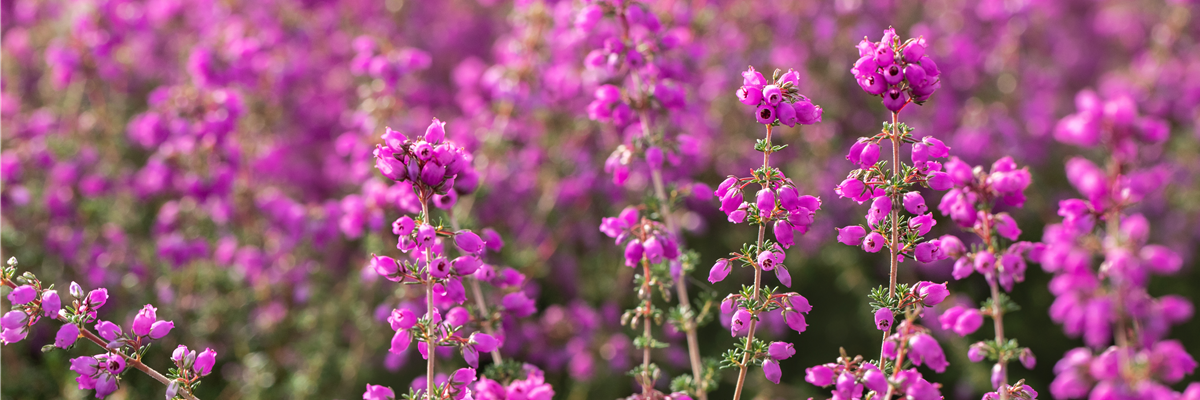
[
  {"x": 102, "y": 372},
  {"x": 1124, "y": 327},
  {"x": 998, "y": 256},
  {"x": 633, "y": 58},
  {"x": 778, "y": 204},
  {"x": 900, "y": 72},
  {"x": 428, "y": 165}
]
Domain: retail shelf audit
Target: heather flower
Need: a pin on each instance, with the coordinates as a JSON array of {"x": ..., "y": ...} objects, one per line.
[
  {"x": 144, "y": 319},
  {"x": 883, "y": 319},
  {"x": 851, "y": 235},
  {"x": 931, "y": 294},
  {"x": 377, "y": 392},
  {"x": 22, "y": 294},
  {"x": 819, "y": 375},
  {"x": 926, "y": 351},
  {"x": 741, "y": 319},
  {"x": 51, "y": 304},
  {"x": 205, "y": 361},
  {"x": 719, "y": 271},
  {"x": 66, "y": 336},
  {"x": 780, "y": 351},
  {"x": 873, "y": 242},
  {"x": 771, "y": 371}
]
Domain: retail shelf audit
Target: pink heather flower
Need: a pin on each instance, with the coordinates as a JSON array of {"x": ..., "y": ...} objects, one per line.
[
  {"x": 653, "y": 250},
  {"x": 719, "y": 271},
  {"x": 179, "y": 354},
  {"x": 931, "y": 294},
  {"x": 938, "y": 180},
  {"x": 851, "y": 235},
  {"x": 807, "y": 112},
  {"x": 968, "y": 322},
  {"x": 403, "y": 226},
  {"x": 874, "y": 379},
  {"x": 731, "y": 201},
  {"x": 787, "y": 115},
  {"x": 15, "y": 319},
  {"x": 785, "y": 277},
  {"x": 205, "y": 361},
  {"x": 468, "y": 241},
  {"x": 795, "y": 320},
  {"x": 740, "y": 322},
  {"x": 108, "y": 330},
  {"x": 927, "y": 252},
  {"x": 873, "y": 242},
  {"x": 484, "y": 342},
  {"x": 926, "y": 351},
  {"x": 895, "y": 99},
  {"x": 771, "y": 371},
  {"x": 400, "y": 341},
  {"x": 985, "y": 262},
  {"x": 402, "y": 319},
  {"x": 853, "y": 189},
  {"x": 922, "y": 223},
  {"x": 819, "y": 375},
  {"x": 780, "y": 350},
  {"x": 869, "y": 156},
  {"x": 160, "y": 329},
  {"x": 144, "y": 319},
  {"x": 977, "y": 352},
  {"x": 518, "y": 304},
  {"x": 67, "y": 335},
  {"x": 770, "y": 259},
  {"x": 880, "y": 207},
  {"x": 633, "y": 253},
  {"x": 22, "y": 294},
  {"x": 1007, "y": 227},
  {"x": 884, "y": 319},
  {"x": 1028, "y": 360},
  {"x": 378, "y": 392},
  {"x": 50, "y": 303},
  {"x": 435, "y": 132},
  {"x": 772, "y": 95},
  {"x": 385, "y": 266},
  {"x": 914, "y": 203},
  {"x": 749, "y": 95},
  {"x": 784, "y": 233},
  {"x": 765, "y": 114},
  {"x": 439, "y": 268},
  {"x": 753, "y": 78},
  {"x": 466, "y": 265}
]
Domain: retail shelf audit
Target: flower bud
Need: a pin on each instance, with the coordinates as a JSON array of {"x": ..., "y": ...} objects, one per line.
[{"x": 205, "y": 361}]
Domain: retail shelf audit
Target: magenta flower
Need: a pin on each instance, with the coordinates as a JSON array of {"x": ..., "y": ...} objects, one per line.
[
  {"x": 719, "y": 271},
  {"x": 819, "y": 375},
  {"x": 931, "y": 294},
  {"x": 771, "y": 371},
  {"x": 851, "y": 235},
  {"x": 780, "y": 350},
  {"x": 66, "y": 336},
  {"x": 914, "y": 203},
  {"x": 51, "y": 304},
  {"x": 884, "y": 319},
  {"x": 144, "y": 319},
  {"x": 205, "y": 361},
  {"x": 873, "y": 242},
  {"x": 739, "y": 322},
  {"x": 765, "y": 114},
  {"x": 160, "y": 329},
  {"x": 22, "y": 294},
  {"x": 926, "y": 351},
  {"x": 468, "y": 241},
  {"x": 378, "y": 392},
  {"x": 15, "y": 319}
]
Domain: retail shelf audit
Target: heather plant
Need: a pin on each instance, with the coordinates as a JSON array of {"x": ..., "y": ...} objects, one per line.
[
  {"x": 778, "y": 204},
  {"x": 101, "y": 372},
  {"x": 1124, "y": 327},
  {"x": 214, "y": 160},
  {"x": 901, "y": 74},
  {"x": 997, "y": 255}
]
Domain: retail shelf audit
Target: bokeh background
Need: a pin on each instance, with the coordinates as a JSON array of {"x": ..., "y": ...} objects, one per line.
[{"x": 213, "y": 157}]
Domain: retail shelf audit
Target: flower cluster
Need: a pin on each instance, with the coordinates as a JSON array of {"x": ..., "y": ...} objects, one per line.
[
  {"x": 432, "y": 164},
  {"x": 779, "y": 204},
  {"x": 898, "y": 71},
  {"x": 189, "y": 368},
  {"x": 779, "y": 100},
  {"x": 642, "y": 237},
  {"x": 1110, "y": 306}
]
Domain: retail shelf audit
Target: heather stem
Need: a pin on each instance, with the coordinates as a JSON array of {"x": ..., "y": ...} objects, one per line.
[
  {"x": 660, "y": 192},
  {"x": 431, "y": 346},
  {"x": 893, "y": 247},
  {"x": 762, "y": 232},
  {"x": 998, "y": 318},
  {"x": 647, "y": 299}
]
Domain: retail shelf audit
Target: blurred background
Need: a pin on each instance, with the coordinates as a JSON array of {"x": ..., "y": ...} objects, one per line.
[{"x": 213, "y": 157}]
